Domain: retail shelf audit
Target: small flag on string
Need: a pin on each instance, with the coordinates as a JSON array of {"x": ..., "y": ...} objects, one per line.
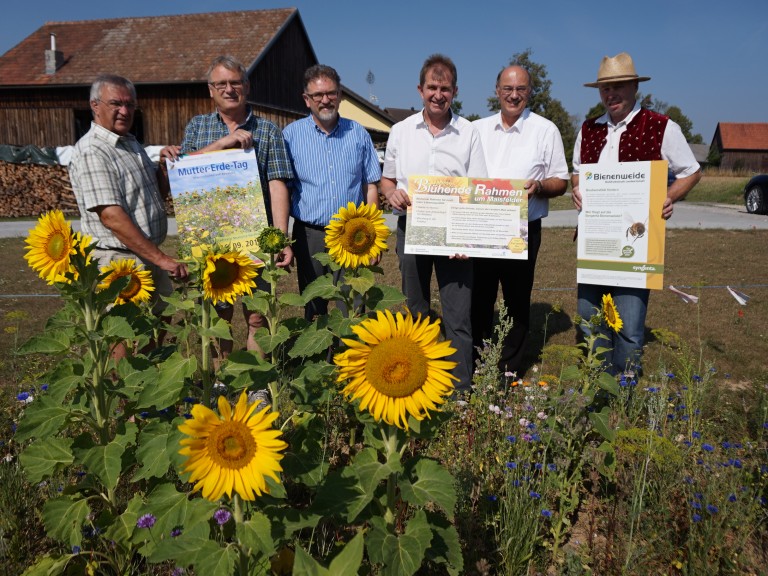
[
  {"x": 740, "y": 297},
  {"x": 687, "y": 298}
]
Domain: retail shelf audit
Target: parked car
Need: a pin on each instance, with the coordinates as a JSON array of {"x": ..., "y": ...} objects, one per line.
[{"x": 756, "y": 194}]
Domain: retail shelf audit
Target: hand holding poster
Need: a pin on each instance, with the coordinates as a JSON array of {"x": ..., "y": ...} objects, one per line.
[
  {"x": 217, "y": 197},
  {"x": 482, "y": 217},
  {"x": 621, "y": 231}
]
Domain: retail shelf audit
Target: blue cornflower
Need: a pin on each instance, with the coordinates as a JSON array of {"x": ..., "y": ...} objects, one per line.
[
  {"x": 539, "y": 466},
  {"x": 707, "y": 447},
  {"x": 546, "y": 513},
  {"x": 732, "y": 498},
  {"x": 511, "y": 465},
  {"x": 688, "y": 443},
  {"x": 75, "y": 549},
  {"x": 144, "y": 414},
  {"x": 698, "y": 495},
  {"x": 187, "y": 416},
  {"x": 765, "y": 424},
  {"x": 222, "y": 516},
  {"x": 512, "y": 439},
  {"x": 688, "y": 480},
  {"x": 670, "y": 375},
  {"x": 178, "y": 572},
  {"x": 44, "y": 387},
  {"x": 176, "y": 532},
  {"x": 534, "y": 495},
  {"x": 726, "y": 445},
  {"x": 652, "y": 389},
  {"x": 696, "y": 517},
  {"x": 696, "y": 435},
  {"x": 22, "y": 396},
  {"x": 696, "y": 378},
  {"x": 684, "y": 417},
  {"x": 146, "y": 521},
  {"x": 551, "y": 467},
  {"x": 516, "y": 483},
  {"x": 712, "y": 509},
  {"x": 670, "y": 416},
  {"x": 736, "y": 463},
  {"x": 535, "y": 437},
  {"x": 191, "y": 400},
  {"x": 695, "y": 505}
]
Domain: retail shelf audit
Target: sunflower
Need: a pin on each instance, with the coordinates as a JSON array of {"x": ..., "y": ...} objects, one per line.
[
  {"x": 397, "y": 367},
  {"x": 610, "y": 313},
  {"x": 355, "y": 235},
  {"x": 272, "y": 240},
  {"x": 227, "y": 275},
  {"x": 139, "y": 286},
  {"x": 50, "y": 245},
  {"x": 234, "y": 452}
]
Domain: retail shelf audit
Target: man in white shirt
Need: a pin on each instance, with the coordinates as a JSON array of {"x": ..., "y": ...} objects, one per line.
[
  {"x": 521, "y": 145},
  {"x": 435, "y": 141},
  {"x": 628, "y": 133}
]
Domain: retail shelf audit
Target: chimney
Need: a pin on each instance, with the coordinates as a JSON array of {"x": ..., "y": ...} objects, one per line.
[{"x": 53, "y": 58}]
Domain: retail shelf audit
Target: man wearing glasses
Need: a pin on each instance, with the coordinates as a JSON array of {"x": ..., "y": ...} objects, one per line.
[
  {"x": 521, "y": 145},
  {"x": 116, "y": 187},
  {"x": 335, "y": 163},
  {"x": 234, "y": 125}
]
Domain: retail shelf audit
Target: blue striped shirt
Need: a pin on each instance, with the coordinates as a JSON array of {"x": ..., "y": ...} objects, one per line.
[{"x": 331, "y": 169}]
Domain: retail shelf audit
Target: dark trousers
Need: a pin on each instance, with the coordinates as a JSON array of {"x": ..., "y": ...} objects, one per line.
[
  {"x": 516, "y": 278},
  {"x": 309, "y": 240}
]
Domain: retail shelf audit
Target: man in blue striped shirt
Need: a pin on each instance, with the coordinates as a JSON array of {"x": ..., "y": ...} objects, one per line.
[{"x": 335, "y": 163}]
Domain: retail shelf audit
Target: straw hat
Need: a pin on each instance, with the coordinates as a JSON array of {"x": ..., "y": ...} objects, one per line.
[{"x": 620, "y": 68}]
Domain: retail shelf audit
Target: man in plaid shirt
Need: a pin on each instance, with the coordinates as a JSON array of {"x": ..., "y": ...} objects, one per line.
[{"x": 234, "y": 125}]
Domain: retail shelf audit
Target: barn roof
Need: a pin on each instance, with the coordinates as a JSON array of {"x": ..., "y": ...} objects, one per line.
[
  {"x": 157, "y": 49},
  {"x": 744, "y": 136}
]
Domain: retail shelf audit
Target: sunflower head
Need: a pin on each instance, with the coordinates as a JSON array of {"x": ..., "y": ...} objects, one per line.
[
  {"x": 272, "y": 240},
  {"x": 139, "y": 283},
  {"x": 231, "y": 451},
  {"x": 356, "y": 234},
  {"x": 50, "y": 245},
  {"x": 397, "y": 367},
  {"x": 227, "y": 275},
  {"x": 611, "y": 314}
]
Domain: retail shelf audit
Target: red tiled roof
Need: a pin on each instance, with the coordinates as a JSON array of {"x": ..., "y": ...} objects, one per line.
[
  {"x": 742, "y": 136},
  {"x": 146, "y": 50}
]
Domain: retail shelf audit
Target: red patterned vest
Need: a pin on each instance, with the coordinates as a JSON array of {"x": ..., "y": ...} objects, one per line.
[{"x": 640, "y": 141}]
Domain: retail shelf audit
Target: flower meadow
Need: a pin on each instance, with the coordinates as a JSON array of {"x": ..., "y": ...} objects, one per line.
[{"x": 343, "y": 448}]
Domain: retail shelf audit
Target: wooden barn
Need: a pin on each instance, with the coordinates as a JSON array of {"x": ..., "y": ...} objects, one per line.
[
  {"x": 741, "y": 146},
  {"x": 45, "y": 79}
]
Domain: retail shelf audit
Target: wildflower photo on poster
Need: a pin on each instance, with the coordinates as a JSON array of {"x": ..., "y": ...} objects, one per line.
[{"x": 218, "y": 199}]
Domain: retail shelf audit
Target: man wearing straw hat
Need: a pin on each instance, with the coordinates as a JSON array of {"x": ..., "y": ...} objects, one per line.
[{"x": 628, "y": 133}]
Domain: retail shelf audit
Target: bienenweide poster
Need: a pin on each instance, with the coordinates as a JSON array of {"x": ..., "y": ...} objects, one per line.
[
  {"x": 481, "y": 217},
  {"x": 217, "y": 197},
  {"x": 621, "y": 232}
]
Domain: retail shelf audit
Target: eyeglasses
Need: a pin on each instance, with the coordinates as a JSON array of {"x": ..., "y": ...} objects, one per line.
[
  {"x": 507, "y": 90},
  {"x": 222, "y": 86},
  {"x": 318, "y": 96},
  {"x": 115, "y": 105}
]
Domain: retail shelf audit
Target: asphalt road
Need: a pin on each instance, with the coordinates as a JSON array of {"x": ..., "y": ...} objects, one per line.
[{"x": 686, "y": 215}]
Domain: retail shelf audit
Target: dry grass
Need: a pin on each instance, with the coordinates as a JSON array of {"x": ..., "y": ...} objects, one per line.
[{"x": 734, "y": 339}]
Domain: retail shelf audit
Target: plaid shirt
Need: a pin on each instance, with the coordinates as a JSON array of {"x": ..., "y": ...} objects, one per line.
[
  {"x": 271, "y": 156},
  {"x": 107, "y": 170}
]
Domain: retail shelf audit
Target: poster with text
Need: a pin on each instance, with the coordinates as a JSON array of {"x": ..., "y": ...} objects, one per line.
[
  {"x": 217, "y": 197},
  {"x": 481, "y": 217},
  {"x": 621, "y": 231}
]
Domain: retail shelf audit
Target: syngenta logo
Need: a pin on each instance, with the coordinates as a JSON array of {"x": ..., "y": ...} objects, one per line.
[{"x": 633, "y": 177}]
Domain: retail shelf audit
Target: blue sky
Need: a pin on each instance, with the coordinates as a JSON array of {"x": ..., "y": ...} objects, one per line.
[{"x": 708, "y": 57}]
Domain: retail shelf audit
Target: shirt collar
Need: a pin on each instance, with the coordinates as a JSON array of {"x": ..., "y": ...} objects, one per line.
[
  {"x": 606, "y": 119},
  {"x": 108, "y": 136},
  {"x": 249, "y": 114},
  {"x": 517, "y": 126},
  {"x": 452, "y": 123}
]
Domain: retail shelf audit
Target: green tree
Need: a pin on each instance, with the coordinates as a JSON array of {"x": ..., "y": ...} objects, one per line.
[
  {"x": 457, "y": 107},
  {"x": 541, "y": 101}
]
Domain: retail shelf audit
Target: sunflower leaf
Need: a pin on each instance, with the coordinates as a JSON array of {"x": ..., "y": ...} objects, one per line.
[
  {"x": 48, "y": 343},
  {"x": 117, "y": 327},
  {"x": 382, "y": 297},
  {"x": 219, "y": 329},
  {"x": 445, "y": 547},
  {"x": 305, "y": 565},
  {"x": 152, "y": 453},
  {"x": 106, "y": 461},
  {"x": 403, "y": 555},
  {"x": 427, "y": 481},
  {"x": 63, "y": 517},
  {"x": 322, "y": 287},
  {"x": 170, "y": 382},
  {"x": 217, "y": 561},
  {"x": 312, "y": 341},
  {"x": 269, "y": 342},
  {"x": 44, "y": 456},
  {"x": 361, "y": 284},
  {"x": 256, "y": 534},
  {"x": 608, "y": 383},
  {"x": 601, "y": 422},
  {"x": 347, "y": 562},
  {"x": 292, "y": 299},
  {"x": 42, "y": 419}
]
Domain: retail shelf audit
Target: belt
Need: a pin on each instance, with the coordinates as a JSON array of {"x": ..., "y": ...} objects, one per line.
[
  {"x": 123, "y": 250},
  {"x": 308, "y": 225}
]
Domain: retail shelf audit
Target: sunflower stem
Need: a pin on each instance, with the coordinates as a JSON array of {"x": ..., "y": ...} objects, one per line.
[
  {"x": 237, "y": 512},
  {"x": 205, "y": 341},
  {"x": 389, "y": 435}
]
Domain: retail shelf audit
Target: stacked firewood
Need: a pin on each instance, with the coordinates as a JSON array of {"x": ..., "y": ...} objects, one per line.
[{"x": 31, "y": 189}]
